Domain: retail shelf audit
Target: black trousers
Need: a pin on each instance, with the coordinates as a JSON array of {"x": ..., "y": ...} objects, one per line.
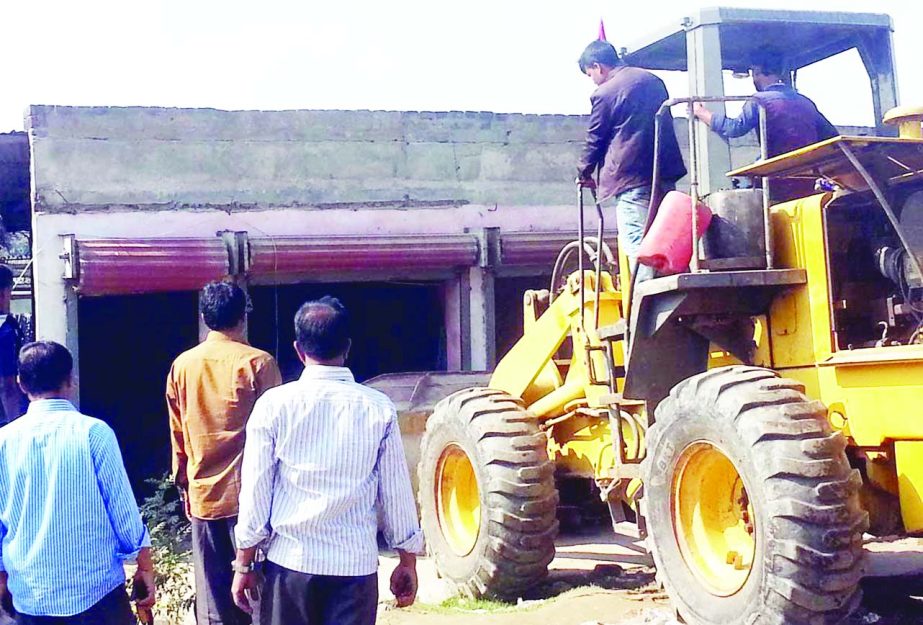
[
  {"x": 213, "y": 549},
  {"x": 113, "y": 609},
  {"x": 293, "y": 598}
]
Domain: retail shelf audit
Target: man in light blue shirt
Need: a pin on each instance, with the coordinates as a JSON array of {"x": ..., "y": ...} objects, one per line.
[
  {"x": 323, "y": 456},
  {"x": 68, "y": 519}
]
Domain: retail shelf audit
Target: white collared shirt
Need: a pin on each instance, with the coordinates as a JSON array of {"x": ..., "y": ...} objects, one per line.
[{"x": 323, "y": 459}]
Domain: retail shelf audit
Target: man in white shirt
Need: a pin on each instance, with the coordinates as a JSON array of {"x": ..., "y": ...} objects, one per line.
[{"x": 323, "y": 458}]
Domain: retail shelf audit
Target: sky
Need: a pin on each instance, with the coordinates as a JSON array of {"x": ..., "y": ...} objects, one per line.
[{"x": 482, "y": 55}]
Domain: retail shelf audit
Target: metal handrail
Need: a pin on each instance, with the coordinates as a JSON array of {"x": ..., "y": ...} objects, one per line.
[
  {"x": 600, "y": 230},
  {"x": 694, "y": 170},
  {"x": 694, "y": 182}
]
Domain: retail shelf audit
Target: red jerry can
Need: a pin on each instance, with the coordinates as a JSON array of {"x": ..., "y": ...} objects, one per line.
[{"x": 667, "y": 246}]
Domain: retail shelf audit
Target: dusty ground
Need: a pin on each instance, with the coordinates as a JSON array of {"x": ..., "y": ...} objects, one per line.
[
  {"x": 595, "y": 577},
  {"x": 601, "y": 579},
  {"x": 582, "y": 605}
]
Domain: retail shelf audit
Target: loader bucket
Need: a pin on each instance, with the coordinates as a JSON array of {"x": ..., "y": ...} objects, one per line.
[{"x": 415, "y": 395}]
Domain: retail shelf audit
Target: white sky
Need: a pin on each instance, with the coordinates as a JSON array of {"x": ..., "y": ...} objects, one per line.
[{"x": 494, "y": 55}]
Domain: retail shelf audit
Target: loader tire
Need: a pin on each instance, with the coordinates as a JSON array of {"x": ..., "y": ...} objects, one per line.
[
  {"x": 487, "y": 494},
  {"x": 751, "y": 505}
]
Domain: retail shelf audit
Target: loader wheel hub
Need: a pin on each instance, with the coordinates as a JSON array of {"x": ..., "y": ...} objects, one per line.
[
  {"x": 458, "y": 502},
  {"x": 713, "y": 519}
]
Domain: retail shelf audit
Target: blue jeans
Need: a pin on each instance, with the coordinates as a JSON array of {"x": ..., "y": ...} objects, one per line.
[{"x": 631, "y": 209}]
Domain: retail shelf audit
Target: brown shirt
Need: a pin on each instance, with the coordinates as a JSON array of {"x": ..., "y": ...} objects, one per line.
[
  {"x": 210, "y": 392},
  {"x": 620, "y": 134}
]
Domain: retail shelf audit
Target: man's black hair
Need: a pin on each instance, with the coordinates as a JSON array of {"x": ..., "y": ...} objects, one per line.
[
  {"x": 769, "y": 60},
  {"x": 322, "y": 328},
  {"x": 44, "y": 366},
  {"x": 601, "y": 52},
  {"x": 6, "y": 277},
  {"x": 222, "y": 304}
]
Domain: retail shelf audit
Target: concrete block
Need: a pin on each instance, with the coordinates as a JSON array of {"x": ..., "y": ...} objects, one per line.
[
  {"x": 431, "y": 161},
  {"x": 545, "y": 129},
  {"x": 82, "y": 172},
  {"x": 467, "y": 161},
  {"x": 175, "y": 124},
  {"x": 452, "y": 127},
  {"x": 526, "y": 162}
]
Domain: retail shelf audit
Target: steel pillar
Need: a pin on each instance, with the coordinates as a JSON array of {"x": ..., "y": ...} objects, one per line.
[
  {"x": 703, "y": 50},
  {"x": 877, "y": 53}
]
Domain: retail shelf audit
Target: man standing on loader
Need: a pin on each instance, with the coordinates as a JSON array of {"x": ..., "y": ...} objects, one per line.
[
  {"x": 620, "y": 143},
  {"x": 792, "y": 120}
]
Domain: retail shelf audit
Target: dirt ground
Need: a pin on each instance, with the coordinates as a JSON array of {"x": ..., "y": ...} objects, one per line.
[
  {"x": 607, "y": 580},
  {"x": 578, "y": 606},
  {"x": 595, "y": 577}
]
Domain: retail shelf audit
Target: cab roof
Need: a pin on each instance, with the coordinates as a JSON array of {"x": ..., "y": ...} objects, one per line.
[{"x": 804, "y": 36}]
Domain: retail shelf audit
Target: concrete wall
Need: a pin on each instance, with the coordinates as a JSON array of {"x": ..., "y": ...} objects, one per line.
[
  {"x": 155, "y": 158},
  {"x": 145, "y": 158},
  {"x": 101, "y": 172}
]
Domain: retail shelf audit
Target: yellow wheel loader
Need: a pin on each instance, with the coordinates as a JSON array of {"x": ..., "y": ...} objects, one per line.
[{"x": 754, "y": 415}]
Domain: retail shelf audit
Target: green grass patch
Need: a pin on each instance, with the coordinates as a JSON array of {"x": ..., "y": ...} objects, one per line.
[{"x": 457, "y": 605}]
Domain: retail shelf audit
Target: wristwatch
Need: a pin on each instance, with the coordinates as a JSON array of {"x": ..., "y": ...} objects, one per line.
[{"x": 243, "y": 569}]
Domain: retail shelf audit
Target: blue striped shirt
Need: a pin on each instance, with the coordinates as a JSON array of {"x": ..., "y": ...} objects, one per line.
[
  {"x": 323, "y": 460},
  {"x": 68, "y": 519}
]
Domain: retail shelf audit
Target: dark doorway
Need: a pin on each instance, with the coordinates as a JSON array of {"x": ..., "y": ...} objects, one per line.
[
  {"x": 127, "y": 344},
  {"x": 395, "y": 327},
  {"x": 508, "y": 297},
  {"x": 15, "y": 205}
]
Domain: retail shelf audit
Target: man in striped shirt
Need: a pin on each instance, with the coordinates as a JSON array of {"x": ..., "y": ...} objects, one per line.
[
  {"x": 323, "y": 456},
  {"x": 68, "y": 519}
]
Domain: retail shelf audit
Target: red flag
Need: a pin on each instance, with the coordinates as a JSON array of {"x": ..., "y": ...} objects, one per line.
[{"x": 602, "y": 30}]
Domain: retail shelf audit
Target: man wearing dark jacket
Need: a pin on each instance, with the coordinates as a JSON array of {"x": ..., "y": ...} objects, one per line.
[
  {"x": 620, "y": 142},
  {"x": 792, "y": 120}
]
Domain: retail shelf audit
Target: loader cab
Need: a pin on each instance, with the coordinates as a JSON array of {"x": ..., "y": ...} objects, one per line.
[
  {"x": 742, "y": 273},
  {"x": 715, "y": 43}
]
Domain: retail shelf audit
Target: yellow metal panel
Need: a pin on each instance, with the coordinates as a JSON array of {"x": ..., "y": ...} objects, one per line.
[
  {"x": 880, "y": 402},
  {"x": 879, "y": 391},
  {"x": 805, "y": 161},
  {"x": 876, "y": 397},
  {"x": 892, "y": 354},
  {"x": 799, "y": 319},
  {"x": 552, "y": 404},
  {"x": 807, "y": 376},
  {"x": 529, "y": 356},
  {"x": 910, "y": 479},
  {"x": 549, "y": 378},
  {"x": 525, "y": 370}
]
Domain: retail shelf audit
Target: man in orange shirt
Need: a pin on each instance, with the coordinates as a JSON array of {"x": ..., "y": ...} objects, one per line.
[{"x": 210, "y": 392}]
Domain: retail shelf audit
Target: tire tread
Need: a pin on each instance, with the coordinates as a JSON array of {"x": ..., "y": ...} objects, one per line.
[
  {"x": 519, "y": 493},
  {"x": 814, "y": 559}
]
